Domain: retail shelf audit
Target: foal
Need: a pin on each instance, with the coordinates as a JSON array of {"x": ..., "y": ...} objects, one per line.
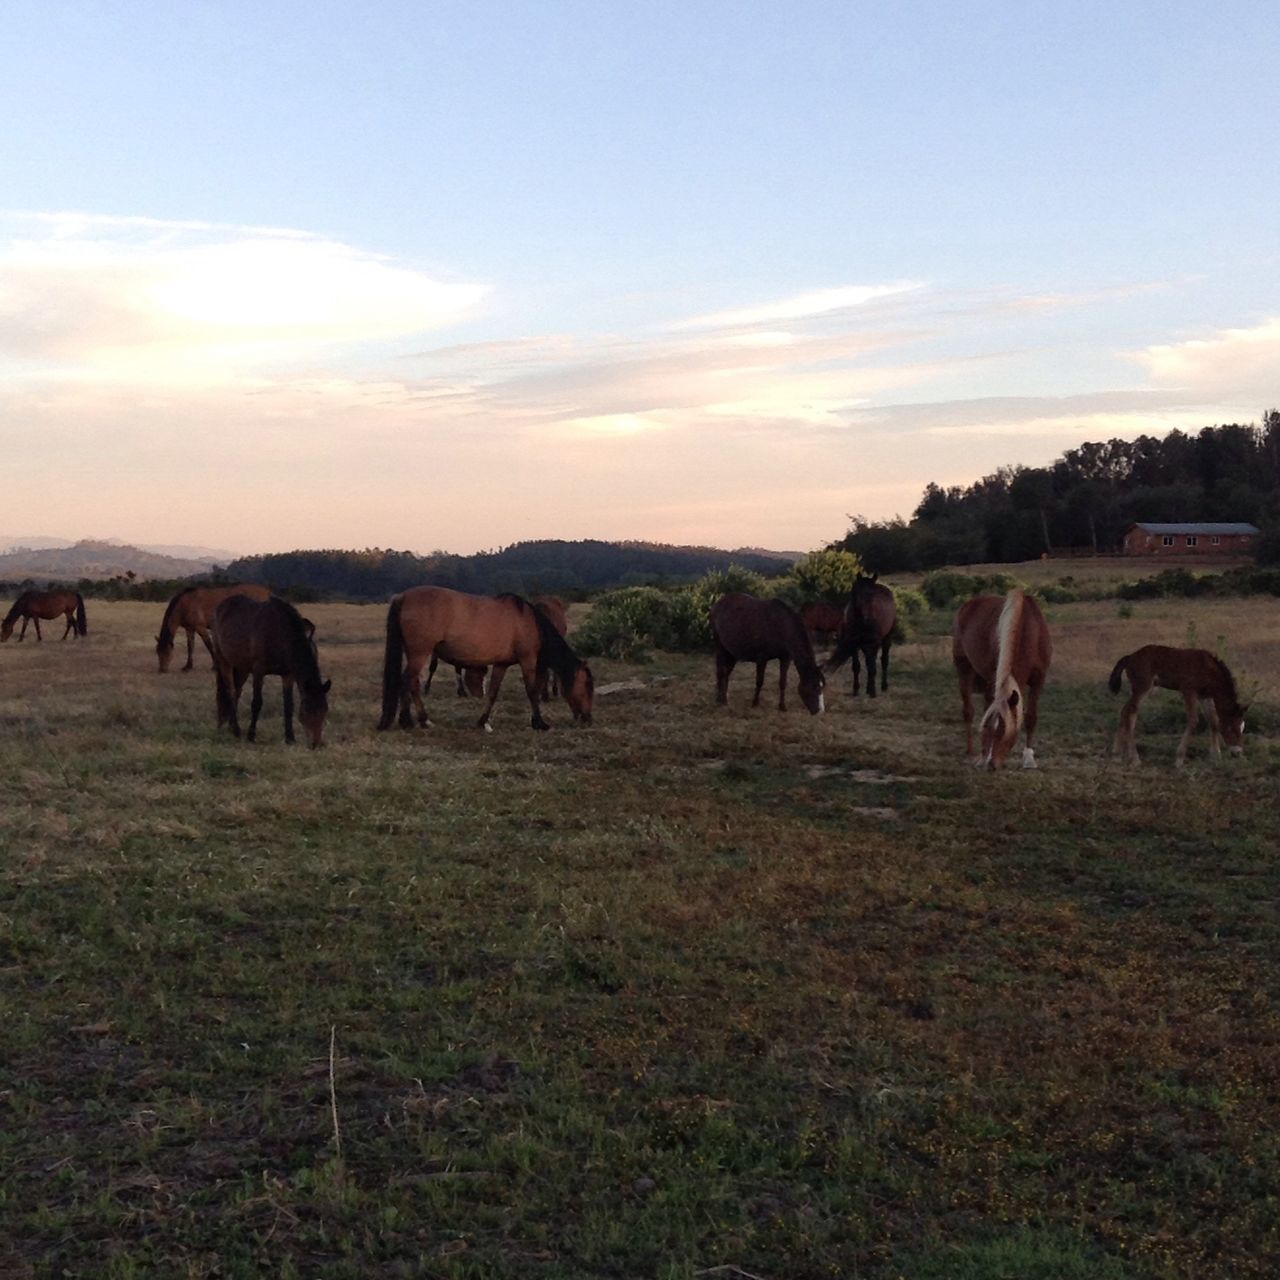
[{"x": 1196, "y": 674}]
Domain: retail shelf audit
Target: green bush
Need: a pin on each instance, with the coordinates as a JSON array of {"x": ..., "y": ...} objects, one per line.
[
  {"x": 946, "y": 587},
  {"x": 623, "y": 624},
  {"x": 822, "y": 575},
  {"x": 912, "y": 608}
]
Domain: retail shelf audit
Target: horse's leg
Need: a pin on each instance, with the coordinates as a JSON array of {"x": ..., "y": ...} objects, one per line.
[
  {"x": 255, "y": 707},
  {"x": 884, "y": 665},
  {"x": 784, "y": 666},
  {"x": 965, "y": 675},
  {"x": 230, "y": 682},
  {"x": 71, "y": 624},
  {"x": 531, "y": 687},
  {"x": 1029, "y": 722},
  {"x": 496, "y": 674},
  {"x": 192, "y": 632},
  {"x": 725, "y": 662},
  {"x": 288, "y": 710},
  {"x": 869, "y": 653},
  {"x": 1192, "y": 702},
  {"x": 1215, "y": 728},
  {"x": 855, "y": 663},
  {"x": 431, "y": 671},
  {"x": 413, "y": 693},
  {"x": 760, "y": 666}
]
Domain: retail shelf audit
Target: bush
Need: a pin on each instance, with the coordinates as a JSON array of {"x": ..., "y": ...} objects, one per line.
[
  {"x": 823, "y": 575},
  {"x": 946, "y": 587},
  {"x": 624, "y": 623},
  {"x": 912, "y": 608}
]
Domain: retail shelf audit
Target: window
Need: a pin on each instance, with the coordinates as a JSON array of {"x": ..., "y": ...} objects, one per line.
[
  {"x": 1215, "y": 541},
  {"x": 1191, "y": 540},
  {"x": 1167, "y": 540}
]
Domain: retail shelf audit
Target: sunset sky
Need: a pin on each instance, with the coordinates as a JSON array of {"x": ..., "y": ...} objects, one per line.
[{"x": 450, "y": 275}]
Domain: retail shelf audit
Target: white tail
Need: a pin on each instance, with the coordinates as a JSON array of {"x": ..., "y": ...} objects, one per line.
[{"x": 1006, "y": 697}]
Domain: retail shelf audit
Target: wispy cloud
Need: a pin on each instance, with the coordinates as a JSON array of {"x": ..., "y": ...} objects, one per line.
[
  {"x": 800, "y": 306},
  {"x": 1231, "y": 361}
]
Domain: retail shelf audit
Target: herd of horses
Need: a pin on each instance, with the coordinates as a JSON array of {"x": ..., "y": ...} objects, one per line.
[{"x": 1001, "y": 649}]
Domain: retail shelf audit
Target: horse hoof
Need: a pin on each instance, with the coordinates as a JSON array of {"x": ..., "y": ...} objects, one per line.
[
  {"x": 488, "y": 728},
  {"x": 1029, "y": 759}
]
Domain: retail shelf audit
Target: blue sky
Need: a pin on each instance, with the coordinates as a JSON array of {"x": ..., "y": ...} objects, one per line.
[{"x": 447, "y": 275}]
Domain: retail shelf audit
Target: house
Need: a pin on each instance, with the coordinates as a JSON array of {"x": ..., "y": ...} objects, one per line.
[{"x": 1150, "y": 539}]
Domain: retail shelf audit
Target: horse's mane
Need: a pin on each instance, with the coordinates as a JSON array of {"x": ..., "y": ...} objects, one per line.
[
  {"x": 1005, "y": 686},
  {"x": 12, "y": 615},
  {"x": 553, "y": 649},
  {"x": 1225, "y": 672},
  {"x": 165, "y": 628},
  {"x": 301, "y": 650},
  {"x": 799, "y": 644}
]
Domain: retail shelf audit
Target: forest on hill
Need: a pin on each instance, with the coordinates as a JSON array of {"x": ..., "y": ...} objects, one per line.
[
  {"x": 529, "y": 568},
  {"x": 1086, "y": 500}
]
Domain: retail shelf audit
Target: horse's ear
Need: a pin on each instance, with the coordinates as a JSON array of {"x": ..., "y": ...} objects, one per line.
[
  {"x": 309, "y": 627},
  {"x": 875, "y": 577},
  {"x": 328, "y": 684}
]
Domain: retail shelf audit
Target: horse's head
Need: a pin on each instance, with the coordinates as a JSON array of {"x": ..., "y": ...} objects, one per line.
[
  {"x": 580, "y": 693},
  {"x": 811, "y": 687},
  {"x": 1000, "y": 729},
  {"x": 1232, "y": 725},
  {"x": 164, "y": 649},
  {"x": 314, "y": 708},
  {"x": 6, "y": 628}
]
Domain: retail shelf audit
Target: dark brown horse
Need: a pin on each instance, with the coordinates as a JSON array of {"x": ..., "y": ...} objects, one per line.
[
  {"x": 867, "y": 625},
  {"x": 191, "y": 610},
  {"x": 475, "y": 631},
  {"x": 31, "y": 606},
  {"x": 747, "y": 629},
  {"x": 822, "y": 621},
  {"x": 1001, "y": 647},
  {"x": 261, "y": 638},
  {"x": 1196, "y": 674}
]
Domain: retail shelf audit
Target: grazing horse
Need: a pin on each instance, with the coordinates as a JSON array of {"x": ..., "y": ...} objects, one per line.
[
  {"x": 31, "y": 606},
  {"x": 751, "y": 630},
  {"x": 262, "y": 638},
  {"x": 821, "y": 620},
  {"x": 1002, "y": 648},
  {"x": 867, "y": 625},
  {"x": 192, "y": 611},
  {"x": 1196, "y": 674},
  {"x": 475, "y": 631}
]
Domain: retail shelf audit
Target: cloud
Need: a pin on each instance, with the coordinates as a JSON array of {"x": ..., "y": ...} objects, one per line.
[
  {"x": 801, "y": 306},
  {"x": 1238, "y": 362},
  {"x": 145, "y": 298}
]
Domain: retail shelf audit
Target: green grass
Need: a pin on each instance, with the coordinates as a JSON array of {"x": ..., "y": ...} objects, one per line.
[{"x": 690, "y": 991}]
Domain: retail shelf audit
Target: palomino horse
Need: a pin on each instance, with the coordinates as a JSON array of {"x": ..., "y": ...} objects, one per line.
[
  {"x": 31, "y": 606},
  {"x": 869, "y": 619},
  {"x": 821, "y": 620},
  {"x": 475, "y": 631},
  {"x": 751, "y": 630},
  {"x": 1002, "y": 648},
  {"x": 192, "y": 611},
  {"x": 261, "y": 638},
  {"x": 1196, "y": 674}
]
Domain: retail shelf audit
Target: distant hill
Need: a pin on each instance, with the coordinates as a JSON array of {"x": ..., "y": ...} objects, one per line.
[
  {"x": 180, "y": 551},
  {"x": 96, "y": 560},
  {"x": 530, "y": 568}
]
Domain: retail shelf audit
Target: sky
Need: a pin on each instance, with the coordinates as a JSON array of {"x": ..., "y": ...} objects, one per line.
[{"x": 453, "y": 275}]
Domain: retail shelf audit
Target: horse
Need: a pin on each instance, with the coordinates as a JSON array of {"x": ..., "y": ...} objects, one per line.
[
  {"x": 262, "y": 638},
  {"x": 192, "y": 611},
  {"x": 751, "y": 630},
  {"x": 31, "y": 606},
  {"x": 867, "y": 625},
  {"x": 1196, "y": 674},
  {"x": 1002, "y": 648},
  {"x": 470, "y": 680},
  {"x": 476, "y": 631},
  {"x": 821, "y": 620}
]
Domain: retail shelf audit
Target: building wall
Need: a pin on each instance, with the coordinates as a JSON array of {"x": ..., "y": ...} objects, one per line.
[{"x": 1138, "y": 542}]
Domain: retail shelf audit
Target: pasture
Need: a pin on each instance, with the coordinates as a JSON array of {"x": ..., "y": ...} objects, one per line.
[{"x": 696, "y": 992}]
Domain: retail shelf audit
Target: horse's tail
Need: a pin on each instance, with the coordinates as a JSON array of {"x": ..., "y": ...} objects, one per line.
[
  {"x": 1006, "y": 696},
  {"x": 1116, "y": 673},
  {"x": 82, "y": 626},
  {"x": 392, "y": 662}
]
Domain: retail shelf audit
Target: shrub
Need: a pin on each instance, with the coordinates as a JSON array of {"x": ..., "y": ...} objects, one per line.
[
  {"x": 823, "y": 575},
  {"x": 624, "y": 623},
  {"x": 912, "y": 608},
  {"x": 946, "y": 587}
]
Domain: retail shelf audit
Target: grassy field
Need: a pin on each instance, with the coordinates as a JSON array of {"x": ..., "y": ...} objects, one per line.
[{"x": 691, "y": 993}]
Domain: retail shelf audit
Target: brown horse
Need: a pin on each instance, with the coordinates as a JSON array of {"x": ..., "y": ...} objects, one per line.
[
  {"x": 31, "y": 606},
  {"x": 261, "y": 638},
  {"x": 750, "y": 630},
  {"x": 821, "y": 620},
  {"x": 192, "y": 611},
  {"x": 1002, "y": 648},
  {"x": 470, "y": 680},
  {"x": 1196, "y": 674},
  {"x": 867, "y": 625},
  {"x": 475, "y": 631}
]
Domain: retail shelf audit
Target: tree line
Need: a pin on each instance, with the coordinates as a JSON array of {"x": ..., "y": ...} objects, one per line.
[{"x": 1086, "y": 500}]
